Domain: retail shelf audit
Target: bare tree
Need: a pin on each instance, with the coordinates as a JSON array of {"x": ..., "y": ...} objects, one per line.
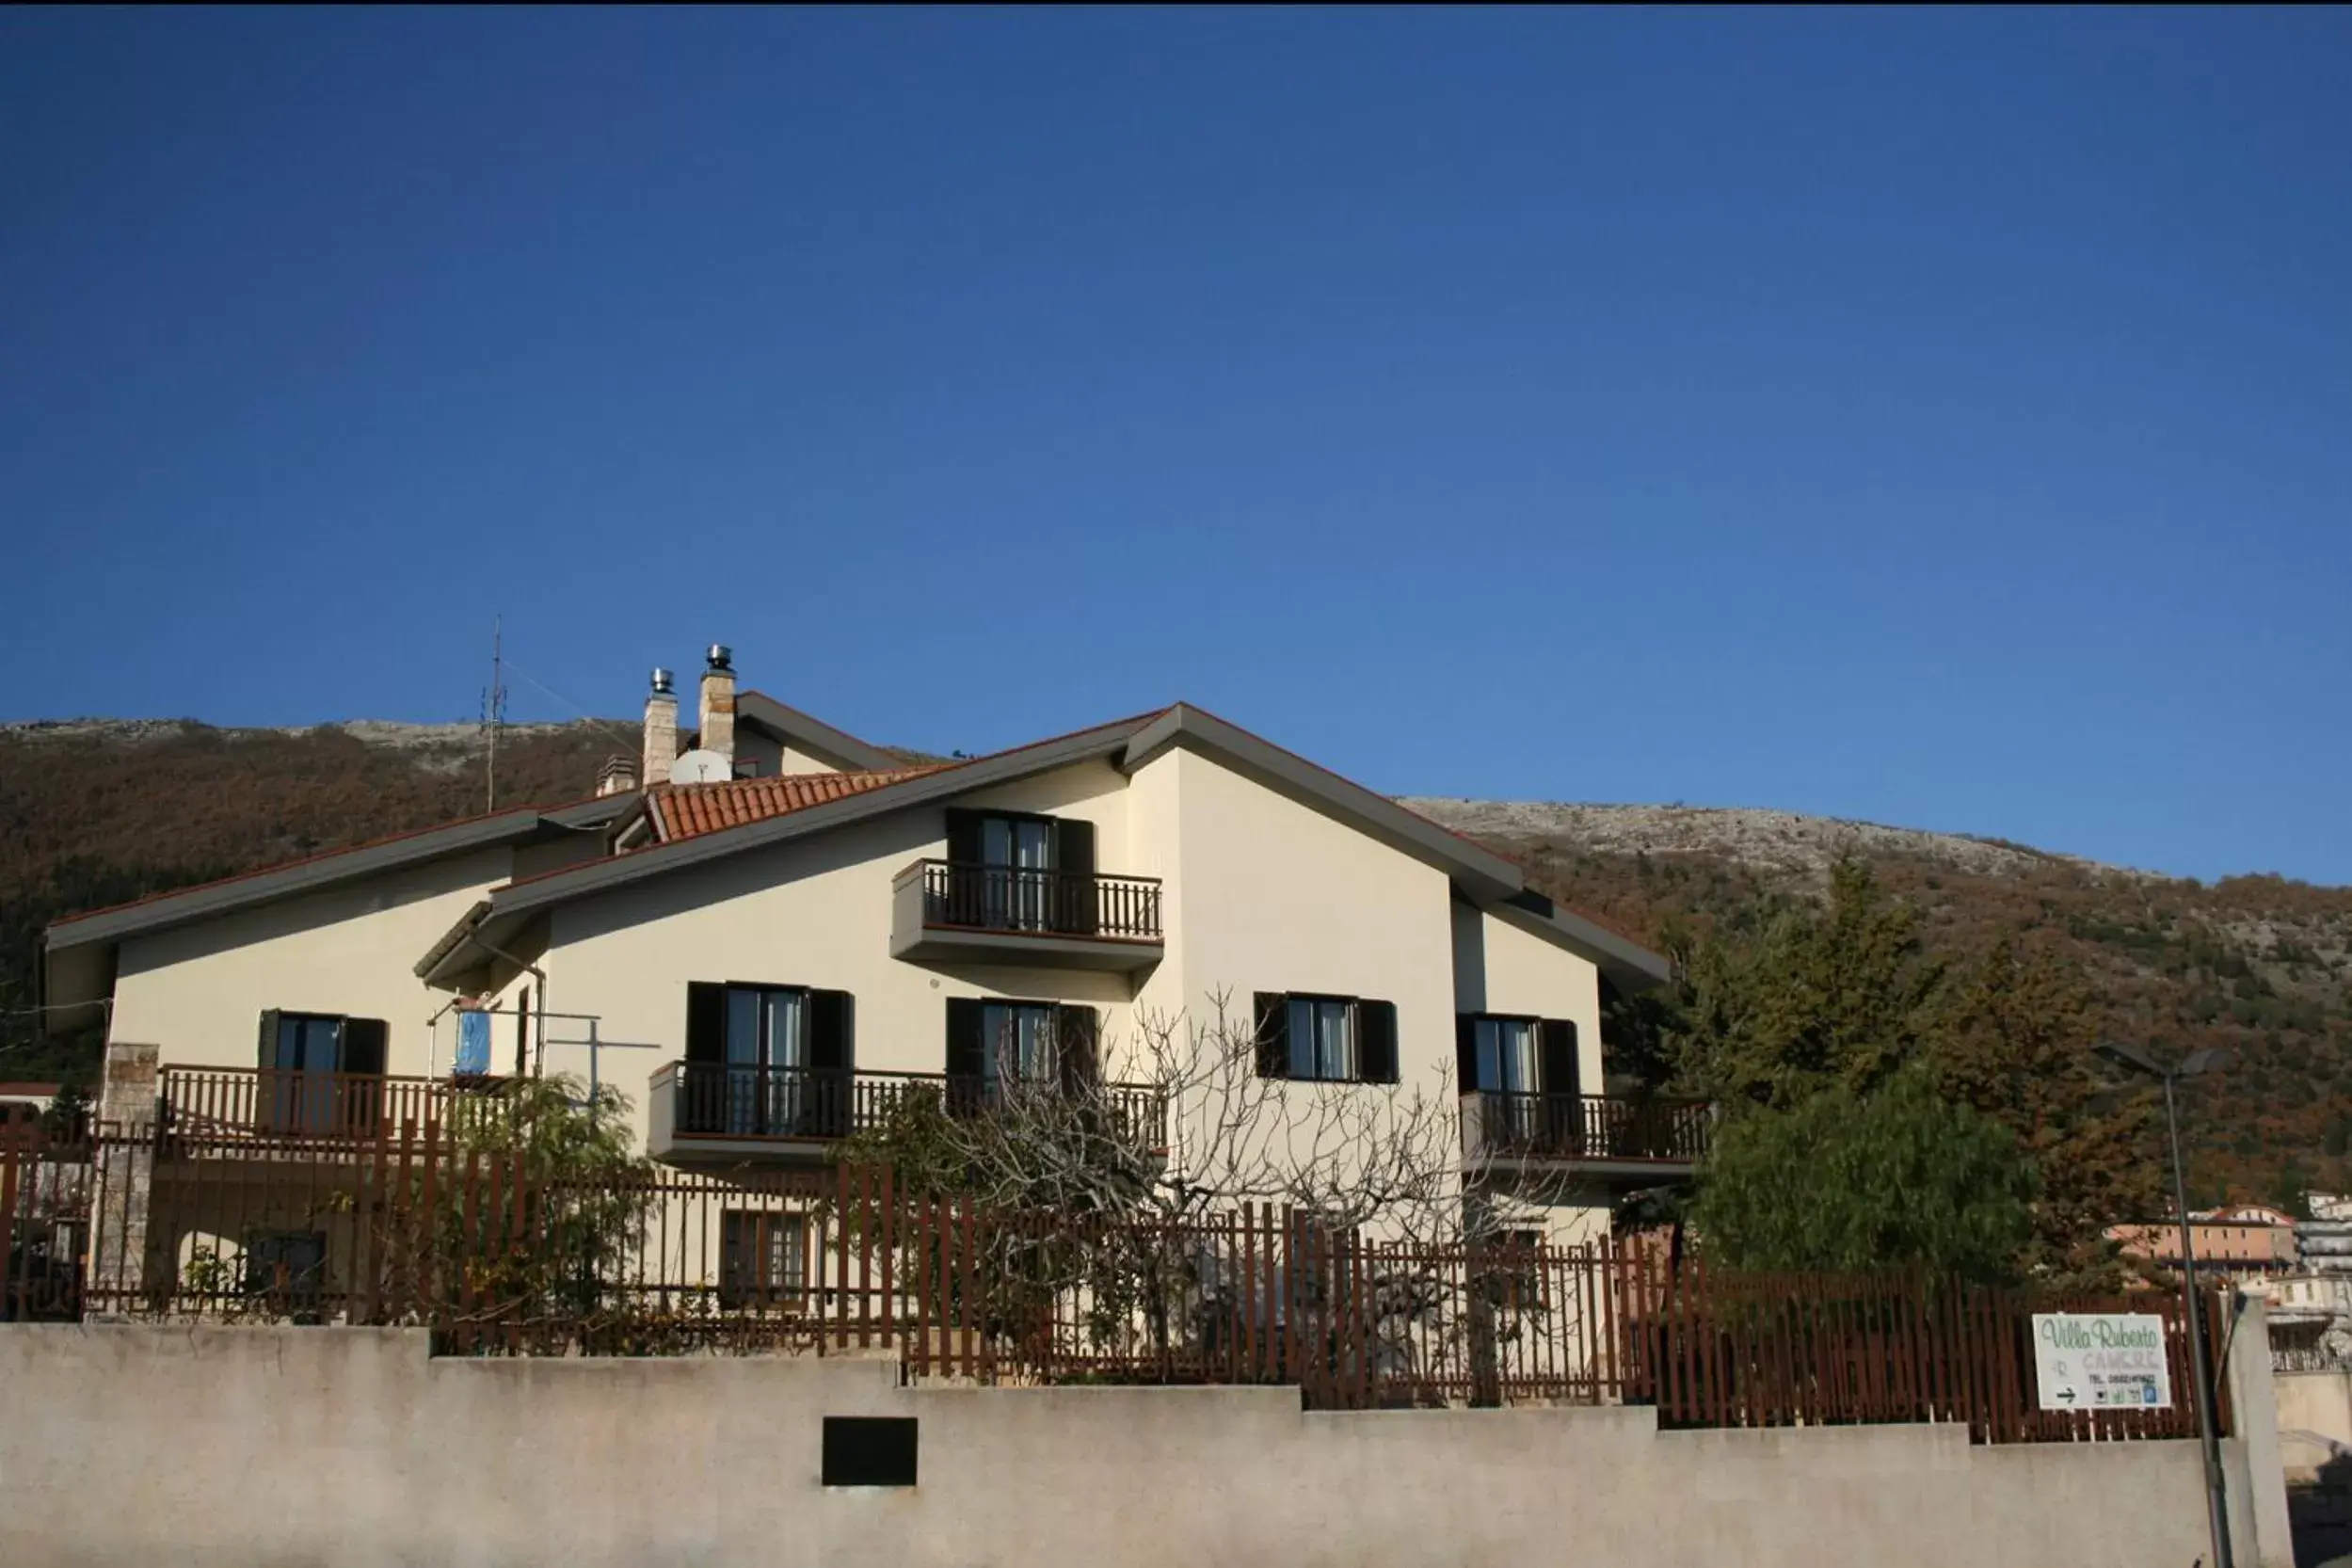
[{"x": 1141, "y": 1160}]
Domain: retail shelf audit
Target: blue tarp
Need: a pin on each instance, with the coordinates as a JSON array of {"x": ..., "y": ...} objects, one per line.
[{"x": 474, "y": 1045}]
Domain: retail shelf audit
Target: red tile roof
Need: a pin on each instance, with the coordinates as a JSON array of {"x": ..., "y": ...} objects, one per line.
[{"x": 690, "y": 810}]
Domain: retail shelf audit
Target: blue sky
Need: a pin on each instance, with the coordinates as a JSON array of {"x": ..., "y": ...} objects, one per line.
[{"x": 1939, "y": 418}]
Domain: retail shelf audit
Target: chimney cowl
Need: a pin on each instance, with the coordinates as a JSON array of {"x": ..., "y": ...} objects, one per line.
[
  {"x": 661, "y": 681},
  {"x": 720, "y": 656}
]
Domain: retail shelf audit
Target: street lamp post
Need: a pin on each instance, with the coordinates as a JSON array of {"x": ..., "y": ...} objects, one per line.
[{"x": 2192, "y": 1066}]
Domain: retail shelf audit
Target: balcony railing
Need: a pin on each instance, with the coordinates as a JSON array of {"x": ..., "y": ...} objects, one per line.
[
  {"x": 230, "y": 1104},
  {"x": 1596, "y": 1129},
  {"x": 1054, "y": 904},
  {"x": 709, "y": 1102}
]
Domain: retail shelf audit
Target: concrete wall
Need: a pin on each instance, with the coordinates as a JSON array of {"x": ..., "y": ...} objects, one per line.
[
  {"x": 2319, "y": 1403},
  {"x": 348, "y": 1446}
]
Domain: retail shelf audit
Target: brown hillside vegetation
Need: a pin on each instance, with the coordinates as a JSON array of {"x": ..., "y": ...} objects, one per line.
[
  {"x": 97, "y": 812},
  {"x": 2259, "y": 965}
]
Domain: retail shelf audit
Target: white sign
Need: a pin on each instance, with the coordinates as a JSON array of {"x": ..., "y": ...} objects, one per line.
[{"x": 2101, "y": 1361}]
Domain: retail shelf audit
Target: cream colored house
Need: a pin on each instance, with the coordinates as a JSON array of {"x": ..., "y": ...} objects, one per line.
[{"x": 763, "y": 959}]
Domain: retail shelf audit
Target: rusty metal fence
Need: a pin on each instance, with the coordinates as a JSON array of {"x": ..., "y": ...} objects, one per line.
[
  {"x": 45, "y": 1200},
  {"x": 411, "y": 1225}
]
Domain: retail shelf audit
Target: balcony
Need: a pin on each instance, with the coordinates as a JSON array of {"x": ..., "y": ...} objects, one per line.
[
  {"x": 947, "y": 912},
  {"x": 703, "y": 1111},
  {"x": 1612, "y": 1139},
  {"x": 213, "y": 1108}
]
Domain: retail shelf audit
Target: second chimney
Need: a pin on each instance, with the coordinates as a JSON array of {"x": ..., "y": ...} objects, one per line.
[
  {"x": 718, "y": 702},
  {"x": 661, "y": 731}
]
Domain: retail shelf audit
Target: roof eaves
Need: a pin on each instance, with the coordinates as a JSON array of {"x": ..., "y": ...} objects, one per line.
[
  {"x": 450, "y": 940},
  {"x": 300, "y": 876},
  {"x": 1481, "y": 869},
  {"x": 787, "y": 723},
  {"x": 1633, "y": 966}
]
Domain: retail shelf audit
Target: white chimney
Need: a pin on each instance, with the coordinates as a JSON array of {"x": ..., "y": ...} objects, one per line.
[
  {"x": 661, "y": 731},
  {"x": 718, "y": 702}
]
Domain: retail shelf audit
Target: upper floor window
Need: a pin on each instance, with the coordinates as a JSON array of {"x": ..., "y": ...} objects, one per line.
[
  {"x": 1498, "y": 1053},
  {"x": 1326, "y": 1038},
  {"x": 994, "y": 1041},
  {"x": 1012, "y": 870},
  {"x": 779, "y": 1029},
  {"x": 766, "y": 1061},
  {"x": 322, "y": 1043}
]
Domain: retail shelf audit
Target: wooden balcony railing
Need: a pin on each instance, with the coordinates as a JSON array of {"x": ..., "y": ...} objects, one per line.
[
  {"x": 1590, "y": 1126},
  {"x": 1054, "y": 904},
  {"x": 717, "y": 1102},
  {"x": 245, "y": 1103}
]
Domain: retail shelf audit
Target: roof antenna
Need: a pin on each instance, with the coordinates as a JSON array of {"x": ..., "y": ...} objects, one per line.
[{"x": 494, "y": 712}]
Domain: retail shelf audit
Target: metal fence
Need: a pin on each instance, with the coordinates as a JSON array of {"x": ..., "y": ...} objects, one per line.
[
  {"x": 45, "y": 1190},
  {"x": 424, "y": 1225}
]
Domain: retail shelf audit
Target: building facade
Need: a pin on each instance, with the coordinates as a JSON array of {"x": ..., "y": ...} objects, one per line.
[{"x": 766, "y": 938}]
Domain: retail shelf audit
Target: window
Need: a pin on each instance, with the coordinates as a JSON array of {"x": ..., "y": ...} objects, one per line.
[
  {"x": 1322, "y": 1038},
  {"x": 1017, "y": 1040},
  {"x": 994, "y": 1041},
  {"x": 1326, "y": 1039},
  {"x": 765, "y": 1061},
  {"x": 316, "y": 1069},
  {"x": 1018, "y": 872},
  {"x": 1516, "y": 1281},
  {"x": 1525, "y": 1071},
  {"x": 763, "y": 1258},
  {"x": 288, "y": 1263},
  {"x": 1499, "y": 1054},
  {"x": 1506, "y": 1054}
]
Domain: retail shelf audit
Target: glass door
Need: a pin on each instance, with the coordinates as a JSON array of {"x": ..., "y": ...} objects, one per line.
[
  {"x": 766, "y": 1060},
  {"x": 302, "y": 1087},
  {"x": 1017, "y": 1043},
  {"x": 1018, "y": 885},
  {"x": 1507, "y": 1068}
]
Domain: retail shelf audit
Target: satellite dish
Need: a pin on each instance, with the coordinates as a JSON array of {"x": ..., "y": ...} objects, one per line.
[{"x": 701, "y": 767}]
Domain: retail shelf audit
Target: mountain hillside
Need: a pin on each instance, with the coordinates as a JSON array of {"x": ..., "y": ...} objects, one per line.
[
  {"x": 2259, "y": 965},
  {"x": 98, "y": 811}
]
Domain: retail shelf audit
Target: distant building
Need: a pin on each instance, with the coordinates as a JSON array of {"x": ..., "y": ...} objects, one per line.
[{"x": 2248, "y": 1241}]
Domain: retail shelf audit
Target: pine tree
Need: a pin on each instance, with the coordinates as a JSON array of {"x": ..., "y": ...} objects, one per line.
[
  {"x": 2018, "y": 1049},
  {"x": 1842, "y": 997}
]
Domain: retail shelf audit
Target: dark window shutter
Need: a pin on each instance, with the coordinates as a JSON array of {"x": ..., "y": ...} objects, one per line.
[
  {"x": 1557, "y": 1041},
  {"x": 1076, "y": 1047},
  {"x": 832, "y": 1031},
  {"x": 1273, "y": 1035},
  {"x": 964, "y": 838},
  {"x": 363, "y": 1045},
  {"x": 1376, "y": 1041},
  {"x": 1074, "y": 860},
  {"x": 269, "y": 1050},
  {"x": 1467, "y": 1052},
  {"x": 522, "y": 1033},
  {"x": 965, "y": 1058},
  {"x": 706, "y": 1021}
]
